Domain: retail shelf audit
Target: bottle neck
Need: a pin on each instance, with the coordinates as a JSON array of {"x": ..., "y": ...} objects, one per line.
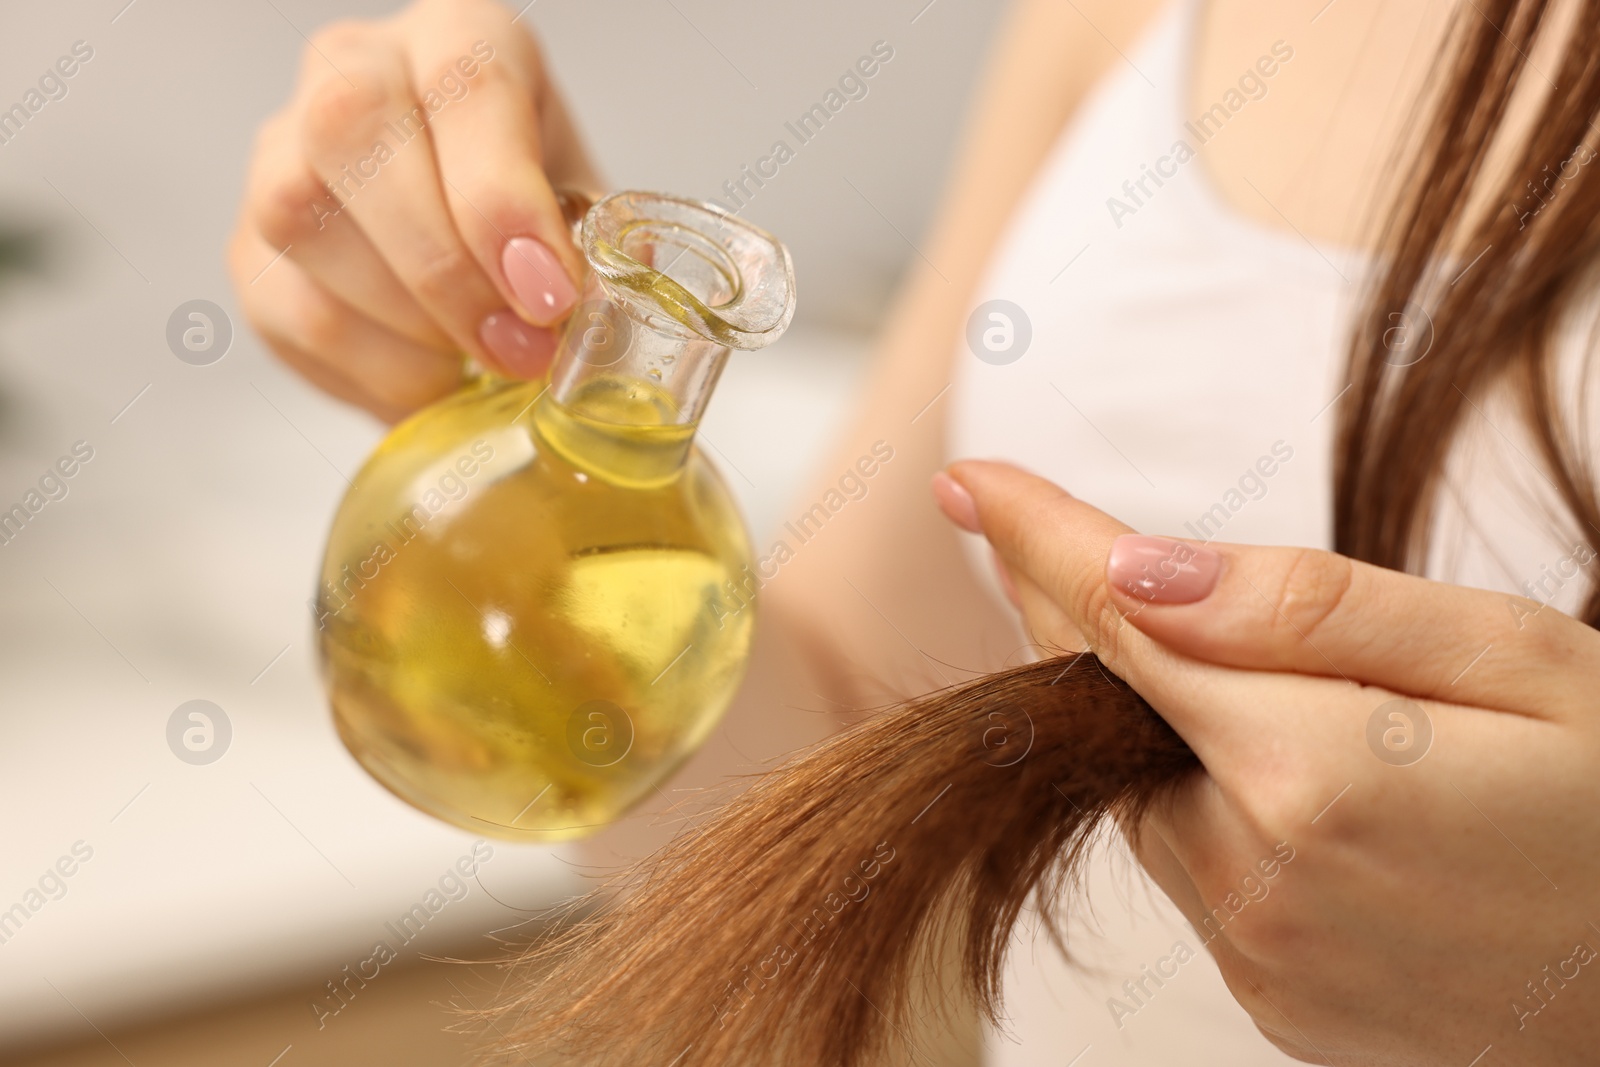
[
  {"x": 673, "y": 285},
  {"x": 627, "y": 390}
]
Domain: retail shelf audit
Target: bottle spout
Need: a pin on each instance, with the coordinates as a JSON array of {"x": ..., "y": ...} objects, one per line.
[
  {"x": 693, "y": 266},
  {"x": 673, "y": 286}
]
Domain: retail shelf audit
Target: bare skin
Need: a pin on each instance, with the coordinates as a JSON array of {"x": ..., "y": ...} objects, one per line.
[
  {"x": 1413, "y": 931},
  {"x": 375, "y": 305}
]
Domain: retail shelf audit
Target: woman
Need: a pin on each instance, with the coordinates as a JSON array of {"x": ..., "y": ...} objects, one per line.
[{"x": 1164, "y": 219}]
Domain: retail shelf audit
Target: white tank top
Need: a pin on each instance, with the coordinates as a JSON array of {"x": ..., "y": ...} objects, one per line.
[{"x": 1180, "y": 372}]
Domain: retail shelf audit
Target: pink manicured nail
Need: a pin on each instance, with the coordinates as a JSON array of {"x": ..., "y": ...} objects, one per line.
[
  {"x": 522, "y": 351},
  {"x": 1162, "y": 571},
  {"x": 538, "y": 279},
  {"x": 956, "y": 503}
]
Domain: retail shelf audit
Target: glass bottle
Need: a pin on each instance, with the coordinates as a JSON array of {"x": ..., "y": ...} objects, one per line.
[{"x": 535, "y": 599}]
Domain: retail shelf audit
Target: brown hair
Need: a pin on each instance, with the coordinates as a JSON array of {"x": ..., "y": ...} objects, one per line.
[
  {"x": 1479, "y": 274},
  {"x": 787, "y": 928}
]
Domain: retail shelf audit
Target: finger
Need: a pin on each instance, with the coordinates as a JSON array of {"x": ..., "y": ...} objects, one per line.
[
  {"x": 292, "y": 209},
  {"x": 1246, "y": 726},
  {"x": 329, "y": 342},
  {"x": 367, "y": 139},
  {"x": 486, "y": 77},
  {"x": 1311, "y": 612},
  {"x": 1055, "y": 548},
  {"x": 1176, "y": 832}
]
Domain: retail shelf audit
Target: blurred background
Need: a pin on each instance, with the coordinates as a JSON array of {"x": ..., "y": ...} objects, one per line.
[{"x": 174, "y": 912}]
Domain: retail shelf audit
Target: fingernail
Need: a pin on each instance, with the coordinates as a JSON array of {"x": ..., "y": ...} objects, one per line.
[
  {"x": 522, "y": 351},
  {"x": 538, "y": 279},
  {"x": 1158, "y": 570},
  {"x": 1006, "y": 582},
  {"x": 956, "y": 503}
]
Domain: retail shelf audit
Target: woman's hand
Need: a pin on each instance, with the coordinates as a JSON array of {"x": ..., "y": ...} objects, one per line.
[
  {"x": 400, "y": 210},
  {"x": 1394, "y": 851}
]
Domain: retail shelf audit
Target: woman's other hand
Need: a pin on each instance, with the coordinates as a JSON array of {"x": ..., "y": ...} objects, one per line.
[
  {"x": 400, "y": 210},
  {"x": 1394, "y": 851}
]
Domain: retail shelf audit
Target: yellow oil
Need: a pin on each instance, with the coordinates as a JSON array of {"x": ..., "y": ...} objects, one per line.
[{"x": 525, "y": 614}]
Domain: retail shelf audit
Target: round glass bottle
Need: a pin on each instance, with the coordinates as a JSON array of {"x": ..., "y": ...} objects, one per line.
[{"x": 534, "y": 602}]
